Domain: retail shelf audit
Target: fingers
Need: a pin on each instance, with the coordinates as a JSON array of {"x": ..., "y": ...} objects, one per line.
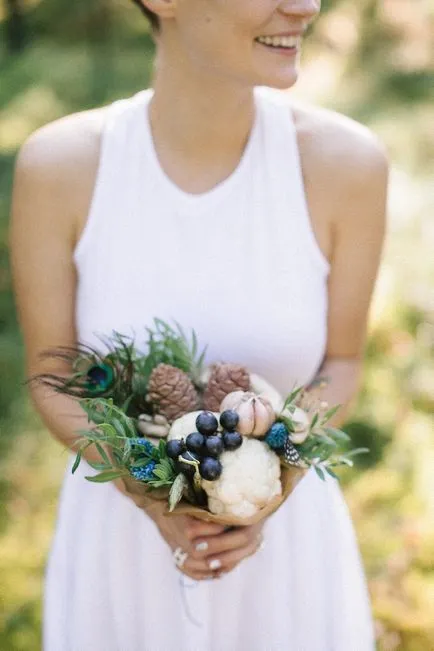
[
  {"x": 210, "y": 549},
  {"x": 197, "y": 576},
  {"x": 197, "y": 529},
  {"x": 227, "y": 541},
  {"x": 227, "y": 561},
  {"x": 198, "y": 570},
  {"x": 224, "y": 552}
]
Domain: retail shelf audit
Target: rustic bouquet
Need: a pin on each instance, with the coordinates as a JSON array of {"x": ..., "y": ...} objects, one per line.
[{"x": 217, "y": 442}]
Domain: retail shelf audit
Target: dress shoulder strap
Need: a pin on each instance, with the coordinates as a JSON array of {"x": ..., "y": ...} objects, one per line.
[
  {"x": 284, "y": 158},
  {"x": 119, "y": 150}
]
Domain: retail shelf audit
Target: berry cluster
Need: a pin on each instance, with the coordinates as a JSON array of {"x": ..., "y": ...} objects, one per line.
[
  {"x": 204, "y": 447},
  {"x": 142, "y": 445},
  {"x": 143, "y": 473}
]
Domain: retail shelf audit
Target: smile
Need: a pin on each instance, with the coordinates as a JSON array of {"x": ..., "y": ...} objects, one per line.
[{"x": 288, "y": 42}]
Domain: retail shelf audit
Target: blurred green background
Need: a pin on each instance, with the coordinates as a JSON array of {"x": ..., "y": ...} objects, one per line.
[{"x": 371, "y": 60}]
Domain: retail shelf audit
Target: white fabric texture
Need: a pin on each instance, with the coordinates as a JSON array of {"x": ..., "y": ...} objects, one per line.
[{"x": 239, "y": 264}]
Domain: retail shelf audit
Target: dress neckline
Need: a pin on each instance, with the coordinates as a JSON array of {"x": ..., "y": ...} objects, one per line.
[{"x": 186, "y": 201}]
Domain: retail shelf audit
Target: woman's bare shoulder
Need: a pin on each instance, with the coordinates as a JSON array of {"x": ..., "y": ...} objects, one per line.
[
  {"x": 336, "y": 147},
  {"x": 57, "y": 166},
  {"x": 66, "y": 141},
  {"x": 345, "y": 171}
]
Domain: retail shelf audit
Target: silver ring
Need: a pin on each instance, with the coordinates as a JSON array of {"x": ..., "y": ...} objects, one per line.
[
  {"x": 179, "y": 556},
  {"x": 261, "y": 543}
]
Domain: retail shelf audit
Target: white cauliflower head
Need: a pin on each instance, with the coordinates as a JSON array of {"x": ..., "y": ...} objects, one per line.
[
  {"x": 250, "y": 479},
  {"x": 185, "y": 425}
]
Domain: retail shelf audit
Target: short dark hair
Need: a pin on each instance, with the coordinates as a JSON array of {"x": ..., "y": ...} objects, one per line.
[{"x": 153, "y": 19}]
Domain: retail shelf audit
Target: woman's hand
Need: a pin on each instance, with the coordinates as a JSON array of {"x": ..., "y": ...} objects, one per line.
[
  {"x": 211, "y": 549},
  {"x": 222, "y": 552}
]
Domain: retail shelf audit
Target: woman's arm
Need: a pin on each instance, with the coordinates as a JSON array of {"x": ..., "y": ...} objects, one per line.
[
  {"x": 53, "y": 183},
  {"x": 346, "y": 176}
]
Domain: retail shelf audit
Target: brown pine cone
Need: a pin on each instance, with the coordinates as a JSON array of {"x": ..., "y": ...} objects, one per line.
[
  {"x": 224, "y": 379},
  {"x": 171, "y": 392}
]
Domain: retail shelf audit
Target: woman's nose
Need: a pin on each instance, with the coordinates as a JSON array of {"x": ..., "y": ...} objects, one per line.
[{"x": 303, "y": 8}]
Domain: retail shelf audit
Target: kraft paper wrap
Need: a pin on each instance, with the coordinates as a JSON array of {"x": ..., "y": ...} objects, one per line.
[{"x": 290, "y": 477}]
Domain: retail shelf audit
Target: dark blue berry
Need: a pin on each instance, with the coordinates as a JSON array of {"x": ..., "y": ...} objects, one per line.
[
  {"x": 195, "y": 442},
  {"x": 210, "y": 468},
  {"x": 207, "y": 423},
  {"x": 229, "y": 420},
  {"x": 232, "y": 440},
  {"x": 187, "y": 468},
  {"x": 214, "y": 445},
  {"x": 174, "y": 448}
]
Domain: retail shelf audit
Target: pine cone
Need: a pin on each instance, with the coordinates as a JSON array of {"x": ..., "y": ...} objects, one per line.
[
  {"x": 171, "y": 392},
  {"x": 224, "y": 379}
]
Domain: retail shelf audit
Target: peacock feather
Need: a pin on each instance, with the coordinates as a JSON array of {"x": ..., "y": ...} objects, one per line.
[
  {"x": 96, "y": 374},
  {"x": 122, "y": 373}
]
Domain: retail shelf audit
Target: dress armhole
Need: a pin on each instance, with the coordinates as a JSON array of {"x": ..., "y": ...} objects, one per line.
[
  {"x": 286, "y": 118},
  {"x": 102, "y": 168},
  {"x": 316, "y": 251}
]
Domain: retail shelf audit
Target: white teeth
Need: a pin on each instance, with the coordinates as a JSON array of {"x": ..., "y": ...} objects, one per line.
[{"x": 280, "y": 41}]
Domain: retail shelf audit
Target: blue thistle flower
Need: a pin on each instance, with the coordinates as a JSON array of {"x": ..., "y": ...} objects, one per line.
[
  {"x": 276, "y": 436},
  {"x": 143, "y": 473},
  {"x": 145, "y": 445}
]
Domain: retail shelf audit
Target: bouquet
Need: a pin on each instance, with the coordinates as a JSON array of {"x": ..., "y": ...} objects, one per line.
[{"x": 219, "y": 442}]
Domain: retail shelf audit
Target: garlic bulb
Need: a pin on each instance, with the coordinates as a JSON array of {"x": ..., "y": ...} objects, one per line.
[
  {"x": 265, "y": 390},
  {"x": 255, "y": 412}
]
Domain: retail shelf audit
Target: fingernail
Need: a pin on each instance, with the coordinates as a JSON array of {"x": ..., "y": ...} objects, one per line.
[
  {"x": 215, "y": 564},
  {"x": 202, "y": 547}
]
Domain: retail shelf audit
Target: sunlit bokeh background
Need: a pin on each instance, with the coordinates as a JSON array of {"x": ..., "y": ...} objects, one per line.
[{"x": 372, "y": 60}]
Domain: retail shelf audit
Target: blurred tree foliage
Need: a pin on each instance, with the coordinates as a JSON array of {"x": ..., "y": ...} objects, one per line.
[
  {"x": 370, "y": 59},
  {"x": 14, "y": 25}
]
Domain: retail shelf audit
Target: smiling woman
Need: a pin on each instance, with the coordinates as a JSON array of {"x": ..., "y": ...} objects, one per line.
[{"x": 211, "y": 200}]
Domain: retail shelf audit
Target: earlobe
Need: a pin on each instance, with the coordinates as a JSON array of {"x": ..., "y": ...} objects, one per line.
[{"x": 161, "y": 8}]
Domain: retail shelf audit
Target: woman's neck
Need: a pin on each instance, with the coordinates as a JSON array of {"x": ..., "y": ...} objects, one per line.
[{"x": 200, "y": 127}]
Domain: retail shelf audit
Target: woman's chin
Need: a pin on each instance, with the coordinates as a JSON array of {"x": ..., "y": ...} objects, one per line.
[{"x": 280, "y": 80}]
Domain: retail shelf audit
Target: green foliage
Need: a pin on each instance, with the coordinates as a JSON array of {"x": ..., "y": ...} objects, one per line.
[
  {"x": 325, "y": 447},
  {"x": 169, "y": 345},
  {"x": 116, "y": 439},
  {"x": 177, "y": 490},
  {"x": 164, "y": 472}
]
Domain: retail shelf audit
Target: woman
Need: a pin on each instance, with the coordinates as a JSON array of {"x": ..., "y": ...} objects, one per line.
[{"x": 259, "y": 224}]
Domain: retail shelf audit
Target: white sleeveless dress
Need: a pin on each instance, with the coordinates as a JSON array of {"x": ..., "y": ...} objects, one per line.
[{"x": 241, "y": 265}]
